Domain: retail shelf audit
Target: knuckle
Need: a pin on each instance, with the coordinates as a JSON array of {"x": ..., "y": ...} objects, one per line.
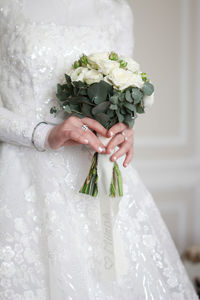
[{"x": 71, "y": 119}]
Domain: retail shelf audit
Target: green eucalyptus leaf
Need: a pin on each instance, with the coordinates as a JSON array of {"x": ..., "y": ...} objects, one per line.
[
  {"x": 130, "y": 106},
  {"x": 79, "y": 84},
  {"x": 140, "y": 108},
  {"x": 103, "y": 119},
  {"x": 110, "y": 113},
  {"x": 128, "y": 96},
  {"x": 75, "y": 90},
  {"x": 83, "y": 92},
  {"x": 107, "y": 86},
  {"x": 79, "y": 115},
  {"x": 120, "y": 116},
  {"x": 100, "y": 108},
  {"x": 114, "y": 99},
  {"x": 113, "y": 107},
  {"x": 97, "y": 92},
  {"x": 79, "y": 100},
  {"x": 75, "y": 107},
  {"x": 62, "y": 96},
  {"x": 129, "y": 121},
  {"x": 137, "y": 95},
  {"x": 122, "y": 97},
  {"x": 123, "y": 111},
  {"x": 67, "y": 108},
  {"x": 59, "y": 88},
  {"x": 148, "y": 88},
  {"x": 86, "y": 110},
  {"x": 68, "y": 79}
]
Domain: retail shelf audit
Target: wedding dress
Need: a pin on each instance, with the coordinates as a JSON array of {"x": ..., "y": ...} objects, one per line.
[{"x": 50, "y": 234}]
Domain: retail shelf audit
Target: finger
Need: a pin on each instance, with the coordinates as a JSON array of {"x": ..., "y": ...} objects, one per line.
[
  {"x": 70, "y": 143},
  {"x": 115, "y": 141},
  {"x": 129, "y": 157},
  {"x": 127, "y": 132},
  {"x": 122, "y": 150},
  {"x": 87, "y": 137},
  {"x": 116, "y": 129},
  {"x": 93, "y": 124}
]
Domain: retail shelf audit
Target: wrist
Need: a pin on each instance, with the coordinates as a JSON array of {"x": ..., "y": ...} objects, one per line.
[{"x": 40, "y": 134}]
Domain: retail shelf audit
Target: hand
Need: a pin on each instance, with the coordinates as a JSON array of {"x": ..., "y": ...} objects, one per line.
[
  {"x": 122, "y": 136},
  {"x": 70, "y": 133}
]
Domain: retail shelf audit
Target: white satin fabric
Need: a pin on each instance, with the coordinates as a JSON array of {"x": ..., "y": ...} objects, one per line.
[{"x": 50, "y": 235}]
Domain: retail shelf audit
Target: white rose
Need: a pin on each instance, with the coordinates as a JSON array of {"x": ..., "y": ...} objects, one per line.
[
  {"x": 92, "y": 76},
  {"x": 78, "y": 74},
  {"x": 94, "y": 58},
  {"x": 106, "y": 66},
  {"x": 123, "y": 78},
  {"x": 132, "y": 65},
  {"x": 148, "y": 100}
]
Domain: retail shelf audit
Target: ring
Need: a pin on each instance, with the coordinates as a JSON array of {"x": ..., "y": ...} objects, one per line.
[
  {"x": 84, "y": 127},
  {"x": 124, "y": 135}
]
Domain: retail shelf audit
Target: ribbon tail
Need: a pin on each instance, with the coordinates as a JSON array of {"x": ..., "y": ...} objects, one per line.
[{"x": 114, "y": 262}]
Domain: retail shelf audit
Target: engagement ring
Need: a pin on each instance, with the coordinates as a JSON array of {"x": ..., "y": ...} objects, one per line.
[{"x": 84, "y": 127}]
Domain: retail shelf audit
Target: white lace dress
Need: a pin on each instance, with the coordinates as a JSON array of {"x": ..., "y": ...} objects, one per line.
[{"x": 50, "y": 235}]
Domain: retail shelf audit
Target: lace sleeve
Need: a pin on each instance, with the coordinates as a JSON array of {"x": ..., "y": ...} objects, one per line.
[{"x": 16, "y": 129}]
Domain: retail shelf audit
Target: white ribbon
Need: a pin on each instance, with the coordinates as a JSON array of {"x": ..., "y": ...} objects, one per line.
[{"x": 114, "y": 262}]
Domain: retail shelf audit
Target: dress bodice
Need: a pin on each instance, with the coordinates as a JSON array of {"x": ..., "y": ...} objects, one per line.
[
  {"x": 39, "y": 40},
  {"x": 36, "y": 54}
]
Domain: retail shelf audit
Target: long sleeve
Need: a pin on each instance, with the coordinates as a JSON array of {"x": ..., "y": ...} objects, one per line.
[{"x": 18, "y": 130}]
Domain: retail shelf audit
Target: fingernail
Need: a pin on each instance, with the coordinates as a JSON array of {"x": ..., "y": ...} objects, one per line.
[
  {"x": 86, "y": 141},
  {"x": 114, "y": 158},
  {"x": 123, "y": 133},
  {"x": 102, "y": 149},
  {"x": 111, "y": 133},
  {"x": 125, "y": 165},
  {"x": 126, "y": 138}
]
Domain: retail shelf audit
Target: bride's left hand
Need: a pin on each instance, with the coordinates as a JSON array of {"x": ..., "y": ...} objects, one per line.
[{"x": 122, "y": 136}]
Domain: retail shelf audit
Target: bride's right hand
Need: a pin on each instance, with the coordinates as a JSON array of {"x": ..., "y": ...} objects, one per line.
[{"x": 70, "y": 132}]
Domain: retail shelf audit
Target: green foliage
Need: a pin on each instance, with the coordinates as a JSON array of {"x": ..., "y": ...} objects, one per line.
[
  {"x": 97, "y": 92},
  {"x": 148, "y": 88},
  {"x": 100, "y": 101}
]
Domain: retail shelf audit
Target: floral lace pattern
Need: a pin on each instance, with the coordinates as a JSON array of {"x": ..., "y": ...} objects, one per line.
[{"x": 50, "y": 245}]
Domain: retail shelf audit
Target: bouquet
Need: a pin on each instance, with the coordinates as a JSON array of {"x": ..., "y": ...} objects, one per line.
[{"x": 108, "y": 88}]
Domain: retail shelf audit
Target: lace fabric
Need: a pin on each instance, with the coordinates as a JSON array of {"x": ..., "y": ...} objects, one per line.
[{"x": 50, "y": 245}]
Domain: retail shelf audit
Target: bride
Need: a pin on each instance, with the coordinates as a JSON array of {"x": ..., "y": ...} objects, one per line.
[{"x": 51, "y": 245}]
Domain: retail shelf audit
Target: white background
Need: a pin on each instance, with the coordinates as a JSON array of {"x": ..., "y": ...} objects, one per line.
[{"x": 167, "y": 138}]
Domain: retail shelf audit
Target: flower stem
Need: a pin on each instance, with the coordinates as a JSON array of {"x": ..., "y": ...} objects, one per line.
[
  {"x": 90, "y": 186},
  {"x": 119, "y": 179}
]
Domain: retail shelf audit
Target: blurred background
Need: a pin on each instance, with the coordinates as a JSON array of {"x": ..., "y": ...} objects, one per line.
[{"x": 167, "y": 139}]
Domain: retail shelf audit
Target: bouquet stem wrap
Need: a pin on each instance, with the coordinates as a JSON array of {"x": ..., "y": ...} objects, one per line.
[{"x": 114, "y": 262}]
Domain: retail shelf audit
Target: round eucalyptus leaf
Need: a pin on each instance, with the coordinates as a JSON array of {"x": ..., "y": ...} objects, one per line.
[
  {"x": 97, "y": 92},
  {"x": 129, "y": 121},
  {"x": 148, "y": 88},
  {"x": 113, "y": 106},
  {"x": 123, "y": 111},
  {"x": 110, "y": 113},
  {"x": 137, "y": 95},
  {"x": 120, "y": 116},
  {"x": 140, "y": 108},
  {"x": 114, "y": 99},
  {"x": 103, "y": 119},
  {"x": 67, "y": 108},
  {"x": 130, "y": 106},
  {"x": 86, "y": 110},
  {"x": 100, "y": 108},
  {"x": 128, "y": 96}
]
